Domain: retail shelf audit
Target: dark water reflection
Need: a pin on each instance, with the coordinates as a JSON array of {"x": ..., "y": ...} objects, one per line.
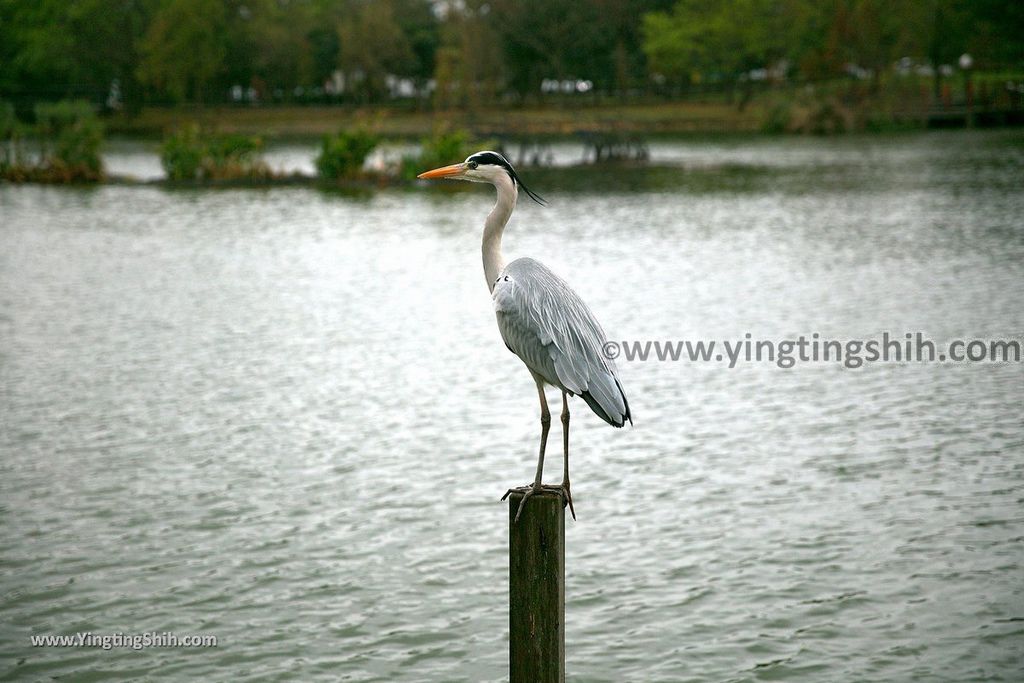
[{"x": 284, "y": 417}]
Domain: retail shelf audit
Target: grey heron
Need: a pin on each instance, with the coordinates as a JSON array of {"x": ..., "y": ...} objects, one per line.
[{"x": 542, "y": 320}]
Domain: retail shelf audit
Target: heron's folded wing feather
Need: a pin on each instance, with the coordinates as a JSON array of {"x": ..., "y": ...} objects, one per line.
[{"x": 549, "y": 327}]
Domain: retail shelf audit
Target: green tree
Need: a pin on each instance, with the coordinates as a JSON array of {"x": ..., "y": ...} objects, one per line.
[
  {"x": 372, "y": 47},
  {"x": 183, "y": 48},
  {"x": 998, "y": 35},
  {"x": 54, "y": 48},
  {"x": 421, "y": 28},
  {"x": 939, "y": 31},
  {"x": 324, "y": 46},
  {"x": 560, "y": 39},
  {"x": 469, "y": 67},
  {"x": 870, "y": 34},
  {"x": 272, "y": 44},
  {"x": 716, "y": 41}
]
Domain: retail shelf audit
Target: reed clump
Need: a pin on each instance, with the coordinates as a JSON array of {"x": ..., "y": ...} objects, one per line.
[
  {"x": 190, "y": 155},
  {"x": 68, "y": 136}
]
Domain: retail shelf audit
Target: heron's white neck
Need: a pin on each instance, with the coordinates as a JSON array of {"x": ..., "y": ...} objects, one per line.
[{"x": 495, "y": 225}]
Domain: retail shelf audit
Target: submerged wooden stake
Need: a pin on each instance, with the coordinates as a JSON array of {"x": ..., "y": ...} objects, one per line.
[{"x": 537, "y": 589}]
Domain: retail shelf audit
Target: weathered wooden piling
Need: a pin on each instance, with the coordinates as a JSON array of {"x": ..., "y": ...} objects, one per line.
[{"x": 537, "y": 589}]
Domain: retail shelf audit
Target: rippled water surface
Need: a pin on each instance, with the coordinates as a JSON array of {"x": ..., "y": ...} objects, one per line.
[{"x": 285, "y": 417}]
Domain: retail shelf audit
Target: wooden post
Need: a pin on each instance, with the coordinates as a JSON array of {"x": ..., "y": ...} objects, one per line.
[{"x": 537, "y": 589}]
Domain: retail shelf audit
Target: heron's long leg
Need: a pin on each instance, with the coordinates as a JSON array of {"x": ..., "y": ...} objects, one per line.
[
  {"x": 565, "y": 451},
  {"x": 545, "y": 426}
]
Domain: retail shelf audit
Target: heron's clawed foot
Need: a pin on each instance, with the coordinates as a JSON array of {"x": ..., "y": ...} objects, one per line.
[
  {"x": 564, "y": 488},
  {"x": 527, "y": 491},
  {"x": 520, "y": 489},
  {"x": 530, "y": 489}
]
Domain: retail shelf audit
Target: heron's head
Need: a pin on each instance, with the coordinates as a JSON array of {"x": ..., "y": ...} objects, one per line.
[{"x": 483, "y": 167}]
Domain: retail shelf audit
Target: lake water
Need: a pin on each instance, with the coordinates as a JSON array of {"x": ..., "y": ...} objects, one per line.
[{"x": 285, "y": 417}]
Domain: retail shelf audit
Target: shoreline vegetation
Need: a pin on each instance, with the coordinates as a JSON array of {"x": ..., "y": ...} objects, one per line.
[
  {"x": 63, "y": 147},
  {"x": 614, "y": 74},
  {"x": 222, "y": 146},
  {"x": 65, "y": 138},
  {"x": 671, "y": 118}
]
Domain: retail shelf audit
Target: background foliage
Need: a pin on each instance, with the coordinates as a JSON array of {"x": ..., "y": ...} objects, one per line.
[
  {"x": 343, "y": 154},
  {"x": 477, "y": 52},
  {"x": 189, "y": 154},
  {"x": 67, "y": 135}
]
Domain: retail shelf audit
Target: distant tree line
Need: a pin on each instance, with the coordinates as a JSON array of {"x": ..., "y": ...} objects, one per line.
[{"x": 471, "y": 53}]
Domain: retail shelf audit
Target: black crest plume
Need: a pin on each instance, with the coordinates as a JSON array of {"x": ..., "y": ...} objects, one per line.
[{"x": 495, "y": 159}]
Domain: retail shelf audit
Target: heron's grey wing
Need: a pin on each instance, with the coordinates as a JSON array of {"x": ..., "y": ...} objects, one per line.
[{"x": 546, "y": 324}]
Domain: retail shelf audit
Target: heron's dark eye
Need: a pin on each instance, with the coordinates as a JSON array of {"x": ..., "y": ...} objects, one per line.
[{"x": 472, "y": 165}]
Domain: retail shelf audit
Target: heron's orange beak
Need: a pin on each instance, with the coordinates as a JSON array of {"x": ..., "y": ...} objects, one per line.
[{"x": 444, "y": 172}]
